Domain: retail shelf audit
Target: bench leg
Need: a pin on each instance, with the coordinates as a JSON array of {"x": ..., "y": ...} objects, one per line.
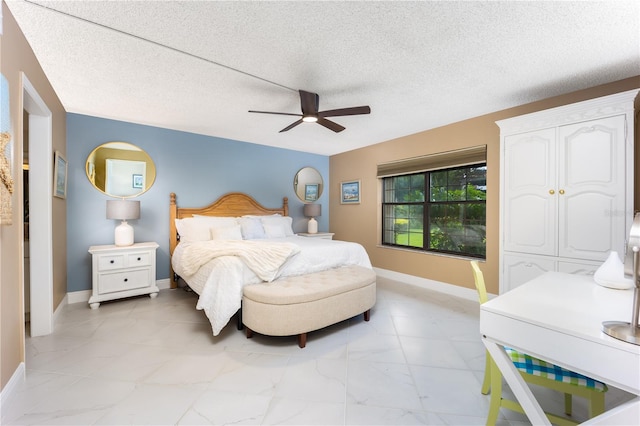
[
  {"x": 367, "y": 315},
  {"x": 302, "y": 340},
  {"x": 249, "y": 332}
]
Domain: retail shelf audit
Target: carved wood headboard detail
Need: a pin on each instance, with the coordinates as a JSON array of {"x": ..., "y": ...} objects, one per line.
[{"x": 233, "y": 204}]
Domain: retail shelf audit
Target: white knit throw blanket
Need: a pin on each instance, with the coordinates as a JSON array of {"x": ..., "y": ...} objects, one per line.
[{"x": 264, "y": 258}]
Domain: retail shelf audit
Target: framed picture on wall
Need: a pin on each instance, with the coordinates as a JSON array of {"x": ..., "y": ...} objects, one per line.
[
  {"x": 60, "y": 176},
  {"x": 350, "y": 192},
  {"x": 138, "y": 182},
  {"x": 311, "y": 192}
]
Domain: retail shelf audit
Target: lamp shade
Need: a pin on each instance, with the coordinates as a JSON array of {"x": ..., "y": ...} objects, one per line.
[
  {"x": 312, "y": 210},
  {"x": 123, "y": 209}
]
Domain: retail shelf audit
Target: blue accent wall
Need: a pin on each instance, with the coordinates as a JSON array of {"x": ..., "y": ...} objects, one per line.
[{"x": 199, "y": 169}]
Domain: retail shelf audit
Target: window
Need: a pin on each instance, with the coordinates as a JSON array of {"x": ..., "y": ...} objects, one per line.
[{"x": 441, "y": 210}]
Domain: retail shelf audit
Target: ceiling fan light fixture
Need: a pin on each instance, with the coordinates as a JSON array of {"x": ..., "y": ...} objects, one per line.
[{"x": 309, "y": 105}]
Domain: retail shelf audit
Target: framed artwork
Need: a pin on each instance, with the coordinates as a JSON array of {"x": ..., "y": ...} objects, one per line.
[
  {"x": 60, "y": 176},
  {"x": 350, "y": 192},
  {"x": 311, "y": 192},
  {"x": 138, "y": 181}
]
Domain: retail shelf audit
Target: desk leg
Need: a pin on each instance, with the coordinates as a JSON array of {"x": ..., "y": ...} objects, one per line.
[{"x": 517, "y": 384}]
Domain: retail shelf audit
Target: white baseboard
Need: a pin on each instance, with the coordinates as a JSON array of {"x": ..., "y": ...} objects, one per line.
[
  {"x": 163, "y": 284},
  {"x": 17, "y": 378},
  {"x": 83, "y": 296},
  {"x": 61, "y": 305},
  {"x": 450, "y": 289}
]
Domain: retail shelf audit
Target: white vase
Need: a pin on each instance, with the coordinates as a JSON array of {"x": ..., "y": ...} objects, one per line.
[{"x": 611, "y": 273}]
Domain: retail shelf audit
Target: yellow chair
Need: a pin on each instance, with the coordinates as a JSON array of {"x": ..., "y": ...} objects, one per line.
[{"x": 538, "y": 372}]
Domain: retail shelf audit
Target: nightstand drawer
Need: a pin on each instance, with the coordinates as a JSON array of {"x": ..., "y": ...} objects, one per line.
[
  {"x": 139, "y": 259},
  {"x": 119, "y": 281},
  {"x": 112, "y": 261}
]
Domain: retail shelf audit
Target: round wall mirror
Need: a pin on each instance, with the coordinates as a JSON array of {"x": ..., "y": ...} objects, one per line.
[
  {"x": 308, "y": 184},
  {"x": 120, "y": 169}
]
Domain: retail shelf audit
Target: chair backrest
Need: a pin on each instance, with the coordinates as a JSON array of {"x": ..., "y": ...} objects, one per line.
[{"x": 479, "y": 280}]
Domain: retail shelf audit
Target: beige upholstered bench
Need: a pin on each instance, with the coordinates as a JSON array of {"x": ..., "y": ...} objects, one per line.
[{"x": 300, "y": 304}]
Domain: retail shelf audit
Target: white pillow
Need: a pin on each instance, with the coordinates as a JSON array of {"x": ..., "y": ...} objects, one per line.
[
  {"x": 190, "y": 231},
  {"x": 251, "y": 228},
  {"x": 198, "y": 228},
  {"x": 226, "y": 233},
  {"x": 274, "y": 231},
  {"x": 216, "y": 220},
  {"x": 284, "y": 222}
]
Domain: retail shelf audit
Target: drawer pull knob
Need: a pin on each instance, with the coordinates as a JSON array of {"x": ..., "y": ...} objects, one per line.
[
  {"x": 126, "y": 279},
  {"x": 139, "y": 259},
  {"x": 112, "y": 261}
]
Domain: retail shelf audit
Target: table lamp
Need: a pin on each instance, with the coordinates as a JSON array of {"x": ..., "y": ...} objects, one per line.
[
  {"x": 630, "y": 331},
  {"x": 312, "y": 211},
  {"x": 123, "y": 210}
]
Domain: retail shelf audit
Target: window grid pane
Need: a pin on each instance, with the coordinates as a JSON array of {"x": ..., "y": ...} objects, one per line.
[{"x": 455, "y": 211}]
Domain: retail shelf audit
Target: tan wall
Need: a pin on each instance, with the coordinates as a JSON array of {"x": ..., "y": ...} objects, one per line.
[
  {"x": 16, "y": 56},
  {"x": 360, "y": 222}
]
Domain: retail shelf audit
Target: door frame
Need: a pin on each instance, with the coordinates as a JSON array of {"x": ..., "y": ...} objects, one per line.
[{"x": 40, "y": 209}]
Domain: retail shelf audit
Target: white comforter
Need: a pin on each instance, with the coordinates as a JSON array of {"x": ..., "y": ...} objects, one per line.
[{"x": 219, "y": 281}]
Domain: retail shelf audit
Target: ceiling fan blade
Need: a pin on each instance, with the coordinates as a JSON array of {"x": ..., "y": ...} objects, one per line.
[
  {"x": 291, "y": 126},
  {"x": 330, "y": 125},
  {"x": 345, "y": 111},
  {"x": 309, "y": 102},
  {"x": 276, "y": 113}
]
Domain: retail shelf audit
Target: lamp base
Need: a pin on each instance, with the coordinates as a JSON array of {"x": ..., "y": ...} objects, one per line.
[
  {"x": 124, "y": 234},
  {"x": 622, "y": 331},
  {"x": 312, "y": 227}
]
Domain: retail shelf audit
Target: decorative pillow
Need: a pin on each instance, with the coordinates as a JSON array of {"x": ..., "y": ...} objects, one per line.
[
  {"x": 251, "y": 228},
  {"x": 273, "y": 231},
  {"x": 226, "y": 233},
  {"x": 284, "y": 222}
]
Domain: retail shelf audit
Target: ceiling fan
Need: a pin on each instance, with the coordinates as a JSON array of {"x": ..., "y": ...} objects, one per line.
[{"x": 309, "y": 103}]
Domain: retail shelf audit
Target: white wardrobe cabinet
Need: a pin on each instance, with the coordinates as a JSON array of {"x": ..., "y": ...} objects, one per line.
[{"x": 566, "y": 188}]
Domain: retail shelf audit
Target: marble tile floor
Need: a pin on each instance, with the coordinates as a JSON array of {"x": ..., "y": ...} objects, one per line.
[{"x": 155, "y": 361}]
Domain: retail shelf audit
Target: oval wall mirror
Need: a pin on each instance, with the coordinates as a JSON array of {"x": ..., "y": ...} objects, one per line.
[
  {"x": 120, "y": 169},
  {"x": 308, "y": 184}
]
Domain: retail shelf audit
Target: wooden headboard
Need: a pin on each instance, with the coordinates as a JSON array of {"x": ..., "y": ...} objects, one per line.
[{"x": 233, "y": 204}]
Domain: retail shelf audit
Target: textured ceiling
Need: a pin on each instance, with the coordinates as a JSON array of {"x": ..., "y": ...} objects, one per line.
[{"x": 419, "y": 65}]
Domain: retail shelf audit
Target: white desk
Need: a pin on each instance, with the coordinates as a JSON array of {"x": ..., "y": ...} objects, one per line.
[{"x": 558, "y": 317}]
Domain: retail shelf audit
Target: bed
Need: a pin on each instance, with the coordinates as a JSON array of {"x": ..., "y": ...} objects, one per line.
[{"x": 218, "y": 249}]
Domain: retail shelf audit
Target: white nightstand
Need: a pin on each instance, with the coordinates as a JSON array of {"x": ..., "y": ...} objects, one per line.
[
  {"x": 123, "y": 272},
  {"x": 323, "y": 235}
]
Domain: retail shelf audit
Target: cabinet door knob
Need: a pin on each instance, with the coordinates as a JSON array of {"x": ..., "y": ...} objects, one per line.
[
  {"x": 561, "y": 191},
  {"x": 126, "y": 279},
  {"x": 551, "y": 191}
]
